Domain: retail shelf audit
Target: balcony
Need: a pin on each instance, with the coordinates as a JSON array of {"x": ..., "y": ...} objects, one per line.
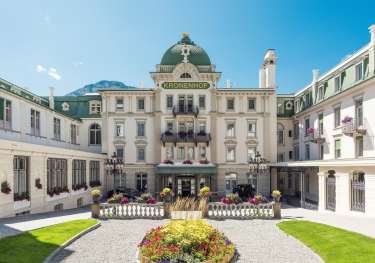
[
  {"x": 353, "y": 127},
  {"x": 316, "y": 136},
  {"x": 188, "y": 137},
  {"x": 183, "y": 109}
]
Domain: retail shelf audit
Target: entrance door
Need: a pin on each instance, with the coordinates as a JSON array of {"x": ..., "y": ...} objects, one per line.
[
  {"x": 331, "y": 193},
  {"x": 185, "y": 186}
]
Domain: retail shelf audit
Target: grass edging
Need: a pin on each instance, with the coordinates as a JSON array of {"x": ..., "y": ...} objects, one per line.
[{"x": 71, "y": 240}]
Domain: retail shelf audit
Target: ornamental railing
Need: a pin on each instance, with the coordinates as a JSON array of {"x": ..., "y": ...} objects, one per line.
[
  {"x": 317, "y": 137},
  {"x": 240, "y": 211},
  {"x": 354, "y": 127},
  {"x": 131, "y": 211},
  {"x": 185, "y": 110},
  {"x": 199, "y": 137}
]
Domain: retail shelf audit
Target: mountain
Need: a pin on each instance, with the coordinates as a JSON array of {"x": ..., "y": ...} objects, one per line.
[{"x": 91, "y": 88}]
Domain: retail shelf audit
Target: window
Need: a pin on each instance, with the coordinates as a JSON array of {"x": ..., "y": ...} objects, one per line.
[
  {"x": 251, "y": 151},
  {"x": 290, "y": 134},
  {"x": 35, "y": 122},
  {"x": 231, "y": 153},
  {"x": 185, "y": 76},
  {"x": 337, "y": 84},
  {"x": 95, "y": 107},
  {"x": 119, "y": 128},
  {"x": 140, "y": 104},
  {"x": 169, "y": 152},
  {"x": 337, "y": 114},
  {"x": 320, "y": 124},
  {"x": 280, "y": 134},
  {"x": 190, "y": 153},
  {"x": 280, "y": 157},
  {"x": 357, "y": 185},
  {"x": 230, "y": 104},
  {"x": 230, "y": 182},
  {"x": 359, "y": 112},
  {"x": 307, "y": 151},
  {"x": 79, "y": 174},
  {"x": 337, "y": 148},
  {"x": 321, "y": 151},
  {"x": 181, "y": 153},
  {"x": 290, "y": 155},
  {"x": 169, "y": 102},
  {"x": 202, "y": 101},
  {"x": 296, "y": 130},
  {"x": 119, "y": 181},
  {"x": 230, "y": 129},
  {"x": 119, "y": 104},
  {"x": 170, "y": 126},
  {"x": 5, "y": 114},
  {"x": 95, "y": 134},
  {"x": 202, "y": 126},
  {"x": 307, "y": 126},
  {"x": 57, "y": 176},
  {"x": 251, "y": 104},
  {"x": 56, "y": 129},
  {"x": 251, "y": 129},
  {"x": 73, "y": 133},
  {"x": 358, "y": 72},
  {"x": 141, "y": 154},
  {"x": 142, "y": 182},
  {"x": 296, "y": 152},
  {"x": 321, "y": 92},
  {"x": 359, "y": 146},
  {"x": 202, "y": 152},
  {"x": 141, "y": 128},
  {"x": 253, "y": 182},
  {"x": 120, "y": 152},
  {"x": 94, "y": 173},
  {"x": 21, "y": 178}
]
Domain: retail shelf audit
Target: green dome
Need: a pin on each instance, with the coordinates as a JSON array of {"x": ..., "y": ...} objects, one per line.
[{"x": 197, "y": 55}]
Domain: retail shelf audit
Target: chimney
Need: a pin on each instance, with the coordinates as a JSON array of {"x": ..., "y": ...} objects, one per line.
[
  {"x": 228, "y": 84},
  {"x": 372, "y": 33},
  {"x": 315, "y": 73},
  {"x": 50, "y": 98},
  {"x": 142, "y": 84},
  {"x": 269, "y": 66}
]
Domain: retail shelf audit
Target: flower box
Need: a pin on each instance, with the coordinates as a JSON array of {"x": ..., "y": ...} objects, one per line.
[
  {"x": 57, "y": 196},
  {"x": 186, "y": 215}
]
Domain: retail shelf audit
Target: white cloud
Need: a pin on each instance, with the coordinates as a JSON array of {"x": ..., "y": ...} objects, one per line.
[
  {"x": 40, "y": 68},
  {"x": 78, "y": 63},
  {"x": 52, "y": 72}
]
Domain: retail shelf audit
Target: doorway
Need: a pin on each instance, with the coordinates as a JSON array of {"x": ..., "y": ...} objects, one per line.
[{"x": 185, "y": 186}]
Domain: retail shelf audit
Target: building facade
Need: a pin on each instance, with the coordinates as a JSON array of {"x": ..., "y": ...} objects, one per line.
[{"x": 186, "y": 132}]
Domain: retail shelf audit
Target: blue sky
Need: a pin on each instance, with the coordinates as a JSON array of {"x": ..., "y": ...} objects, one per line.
[{"x": 68, "y": 44}]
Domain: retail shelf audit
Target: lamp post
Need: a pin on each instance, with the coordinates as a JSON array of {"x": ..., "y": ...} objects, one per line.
[
  {"x": 113, "y": 166},
  {"x": 257, "y": 165}
]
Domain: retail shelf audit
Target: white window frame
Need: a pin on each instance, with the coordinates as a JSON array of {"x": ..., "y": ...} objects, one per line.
[
  {"x": 120, "y": 106},
  {"x": 144, "y": 104},
  {"x": 229, "y": 158},
  {"x": 119, "y": 124},
  {"x": 141, "y": 148},
  {"x": 252, "y": 133},
  {"x": 227, "y": 133},
  {"x": 95, "y": 107},
  {"x": 248, "y": 104}
]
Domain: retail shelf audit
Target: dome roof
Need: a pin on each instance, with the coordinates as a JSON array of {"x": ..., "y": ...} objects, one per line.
[{"x": 196, "y": 57}]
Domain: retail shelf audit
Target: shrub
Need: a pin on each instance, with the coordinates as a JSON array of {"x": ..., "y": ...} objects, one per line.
[
  {"x": 276, "y": 194},
  {"x": 231, "y": 199},
  {"x": 146, "y": 198},
  {"x": 115, "y": 199},
  {"x": 5, "y": 187}
]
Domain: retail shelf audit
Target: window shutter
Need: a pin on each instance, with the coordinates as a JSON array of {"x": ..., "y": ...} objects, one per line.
[{"x": 2, "y": 109}]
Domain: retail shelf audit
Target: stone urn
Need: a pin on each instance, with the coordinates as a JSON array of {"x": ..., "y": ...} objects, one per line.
[
  {"x": 95, "y": 208},
  {"x": 277, "y": 210}
]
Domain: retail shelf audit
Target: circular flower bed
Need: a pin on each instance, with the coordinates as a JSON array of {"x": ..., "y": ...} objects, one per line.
[{"x": 186, "y": 241}]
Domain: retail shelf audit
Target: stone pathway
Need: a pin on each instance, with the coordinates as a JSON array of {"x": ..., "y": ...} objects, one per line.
[{"x": 256, "y": 241}]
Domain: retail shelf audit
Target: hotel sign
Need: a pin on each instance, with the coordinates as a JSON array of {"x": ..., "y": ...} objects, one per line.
[{"x": 185, "y": 85}]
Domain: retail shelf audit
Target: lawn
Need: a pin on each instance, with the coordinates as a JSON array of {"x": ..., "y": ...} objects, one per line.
[
  {"x": 34, "y": 246},
  {"x": 332, "y": 244}
]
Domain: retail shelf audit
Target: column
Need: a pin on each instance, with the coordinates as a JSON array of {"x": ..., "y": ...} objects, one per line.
[
  {"x": 302, "y": 178},
  {"x": 322, "y": 190}
]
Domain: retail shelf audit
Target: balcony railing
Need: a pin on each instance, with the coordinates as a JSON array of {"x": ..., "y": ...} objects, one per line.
[
  {"x": 317, "y": 137},
  {"x": 171, "y": 137},
  {"x": 354, "y": 127},
  {"x": 185, "y": 110}
]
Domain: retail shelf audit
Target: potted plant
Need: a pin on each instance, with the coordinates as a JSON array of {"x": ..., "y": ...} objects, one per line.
[
  {"x": 347, "y": 120},
  {"x": 38, "y": 184},
  {"x": 146, "y": 198},
  {"x": 95, "y": 208},
  {"x": 231, "y": 199},
  {"x": 166, "y": 194},
  {"x": 187, "y": 162},
  {"x": 276, "y": 194},
  {"x": 5, "y": 188}
]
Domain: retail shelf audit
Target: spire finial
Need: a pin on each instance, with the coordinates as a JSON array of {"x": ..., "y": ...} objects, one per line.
[{"x": 185, "y": 34}]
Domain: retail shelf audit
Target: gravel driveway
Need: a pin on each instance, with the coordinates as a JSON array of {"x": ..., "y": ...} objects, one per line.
[{"x": 256, "y": 241}]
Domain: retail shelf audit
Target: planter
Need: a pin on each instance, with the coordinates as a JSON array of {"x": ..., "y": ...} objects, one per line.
[
  {"x": 226, "y": 259},
  {"x": 185, "y": 215},
  {"x": 57, "y": 197},
  {"x": 277, "y": 210}
]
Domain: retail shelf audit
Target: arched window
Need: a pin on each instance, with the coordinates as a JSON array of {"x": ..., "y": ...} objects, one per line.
[
  {"x": 185, "y": 76},
  {"x": 358, "y": 191},
  {"x": 95, "y": 134},
  {"x": 280, "y": 133}
]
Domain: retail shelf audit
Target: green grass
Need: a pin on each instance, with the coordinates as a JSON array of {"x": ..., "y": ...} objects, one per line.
[
  {"x": 332, "y": 244},
  {"x": 34, "y": 246}
]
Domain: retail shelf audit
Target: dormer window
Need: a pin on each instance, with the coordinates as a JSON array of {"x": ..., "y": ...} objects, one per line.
[
  {"x": 185, "y": 76},
  {"x": 95, "y": 107}
]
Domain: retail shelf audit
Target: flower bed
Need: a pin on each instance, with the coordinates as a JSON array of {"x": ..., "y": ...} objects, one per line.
[{"x": 186, "y": 241}]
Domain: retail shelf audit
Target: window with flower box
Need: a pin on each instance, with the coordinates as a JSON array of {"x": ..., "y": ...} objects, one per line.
[
  {"x": 94, "y": 173},
  {"x": 21, "y": 178},
  {"x": 5, "y": 114},
  {"x": 79, "y": 175},
  {"x": 57, "y": 176}
]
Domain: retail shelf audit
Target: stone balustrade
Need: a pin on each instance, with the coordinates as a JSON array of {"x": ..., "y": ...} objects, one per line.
[
  {"x": 240, "y": 211},
  {"x": 131, "y": 211}
]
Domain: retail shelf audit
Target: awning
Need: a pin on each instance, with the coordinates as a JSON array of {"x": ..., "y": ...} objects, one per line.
[{"x": 186, "y": 169}]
